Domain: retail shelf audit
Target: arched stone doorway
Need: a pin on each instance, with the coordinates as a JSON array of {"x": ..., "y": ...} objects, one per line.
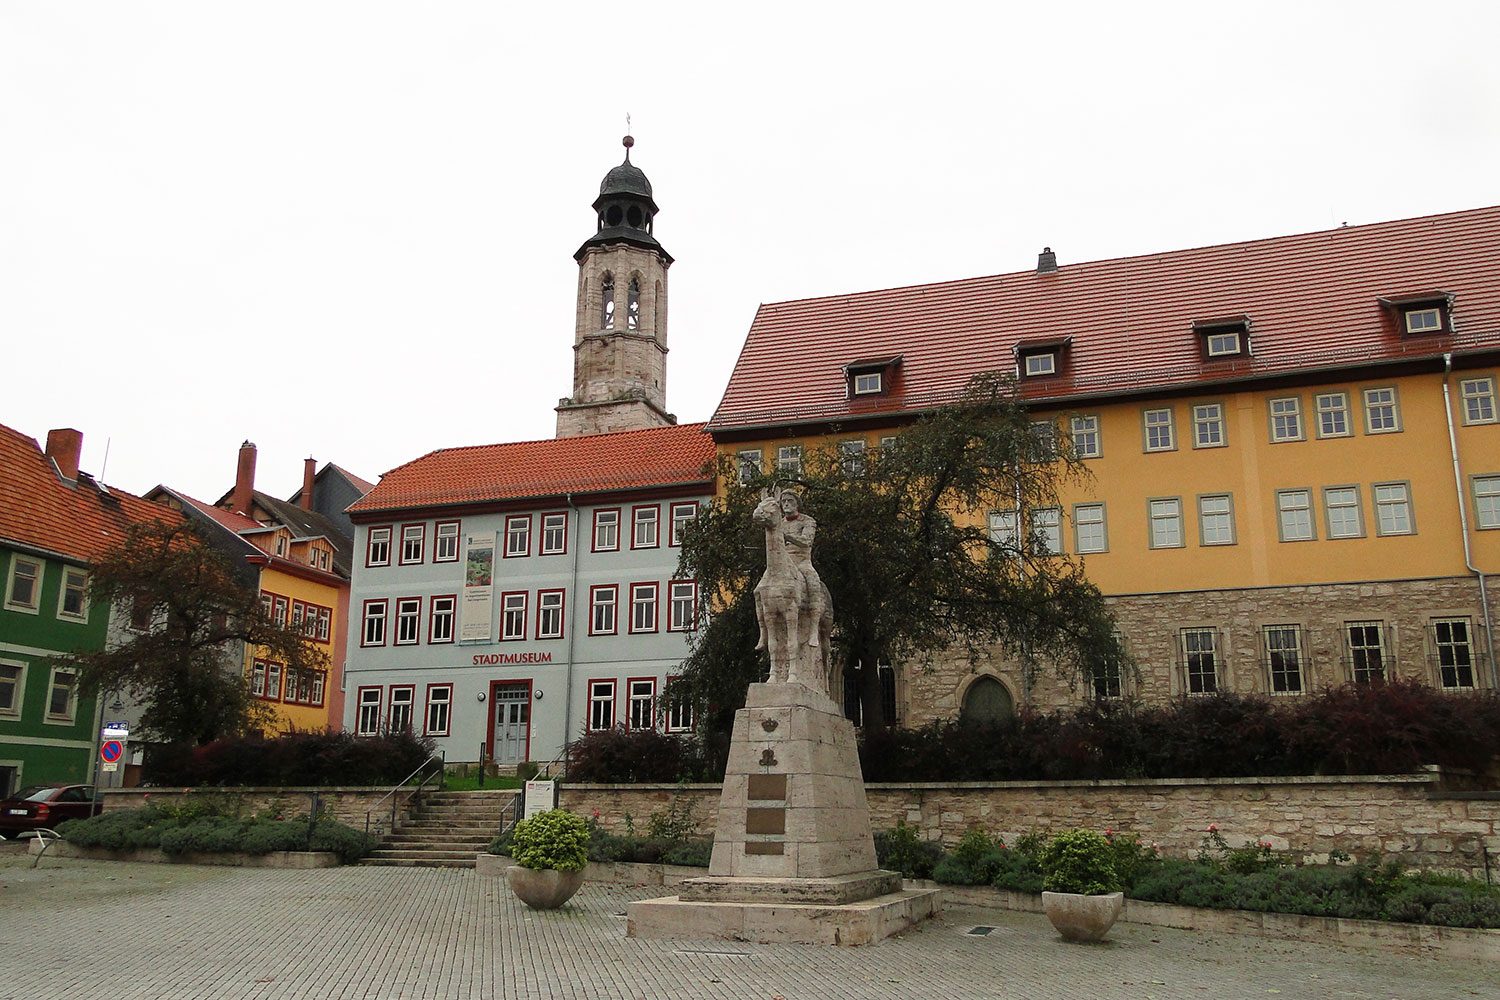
[{"x": 987, "y": 701}]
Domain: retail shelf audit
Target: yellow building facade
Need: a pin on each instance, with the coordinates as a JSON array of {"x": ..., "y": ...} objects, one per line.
[{"x": 1293, "y": 447}]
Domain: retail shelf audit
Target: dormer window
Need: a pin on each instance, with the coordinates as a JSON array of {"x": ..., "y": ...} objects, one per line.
[
  {"x": 1041, "y": 363},
  {"x": 1223, "y": 338},
  {"x": 1421, "y": 315},
  {"x": 871, "y": 376},
  {"x": 1041, "y": 358}
]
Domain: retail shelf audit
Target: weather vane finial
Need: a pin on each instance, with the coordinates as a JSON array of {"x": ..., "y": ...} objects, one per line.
[{"x": 629, "y": 139}]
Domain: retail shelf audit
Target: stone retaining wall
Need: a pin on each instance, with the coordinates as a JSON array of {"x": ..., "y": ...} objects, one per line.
[
  {"x": 347, "y": 805},
  {"x": 1412, "y": 818}
]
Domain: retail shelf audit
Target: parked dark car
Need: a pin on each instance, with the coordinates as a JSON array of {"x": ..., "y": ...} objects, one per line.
[{"x": 44, "y": 806}]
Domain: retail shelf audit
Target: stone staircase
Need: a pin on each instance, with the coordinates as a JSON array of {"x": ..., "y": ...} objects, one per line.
[{"x": 447, "y": 830}]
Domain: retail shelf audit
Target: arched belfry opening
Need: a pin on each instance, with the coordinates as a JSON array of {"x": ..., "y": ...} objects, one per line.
[{"x": 620, "y": 338}]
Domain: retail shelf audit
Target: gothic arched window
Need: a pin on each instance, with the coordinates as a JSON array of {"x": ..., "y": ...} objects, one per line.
[
  {"x": 987, "y": 701},
  {"x": 607, "y": 311},
  {"x": 633, "y": 305}
]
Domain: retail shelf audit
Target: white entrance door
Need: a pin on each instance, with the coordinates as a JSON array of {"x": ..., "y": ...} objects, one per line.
[{"x": 512, "y": 722}]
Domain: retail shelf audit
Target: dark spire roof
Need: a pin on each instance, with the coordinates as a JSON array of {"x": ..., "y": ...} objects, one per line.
[{"x": 625, "y": 209}]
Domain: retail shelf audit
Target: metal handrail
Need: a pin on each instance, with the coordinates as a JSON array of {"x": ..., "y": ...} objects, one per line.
[
  {"x": 442, "y": 771},
  {"x": 514, "y": 808},
  {"x": 45, "y": 842}
]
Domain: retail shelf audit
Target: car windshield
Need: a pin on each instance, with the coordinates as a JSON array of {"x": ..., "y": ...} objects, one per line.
[{"x": 36, "y": 793}]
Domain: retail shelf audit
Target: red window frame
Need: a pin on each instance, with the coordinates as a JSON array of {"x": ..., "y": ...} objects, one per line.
[
  {"x": 541, "y": 542},
  {"x": 635, "y": 522},
  {"x": 432, "y": 616},
  {"x": 655, "y": 589},
  {"x": 613, "y": 588},
  {"x": 614, "y": 704},
  {"x": 411, "y": 707},
  {"x": 674, "y": 540},
  {"x": 359, "y": 710},
  {"x": 258, "y": 673},
  {"x": 364, "y": 618},
  {"x": 667, "y": 710},
  {"x": 438, "y": 536},
  {"x": 405, "y": 611},
  {"x": 370, "y": 542},
  {"x": 505, "y": 551},
  {"x": 421, "y": 538},
  {"x": 562, "y": 606},
  {"x": 692, "y": 624},
  {"x": 596, "y": 547},
  {"x": 630, "y": 700},
  {"x": 525, "y": 611},
  {"x": 427, "y": 711}
]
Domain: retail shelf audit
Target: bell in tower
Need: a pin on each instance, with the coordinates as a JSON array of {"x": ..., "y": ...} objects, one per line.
[{"x": 620, "y": 338}]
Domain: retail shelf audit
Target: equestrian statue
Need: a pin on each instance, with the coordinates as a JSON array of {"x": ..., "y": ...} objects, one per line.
[{"x": 792, "y": 606}]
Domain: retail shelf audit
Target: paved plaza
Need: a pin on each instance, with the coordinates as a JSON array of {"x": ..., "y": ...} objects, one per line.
[{"x": 91, "y": 929}]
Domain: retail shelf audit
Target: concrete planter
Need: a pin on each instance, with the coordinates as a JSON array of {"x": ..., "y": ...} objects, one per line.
[
  {"x": 275, "y": 859},
  {"x": 543, "y": 888},
  {"x": 1082, "y": 918}
]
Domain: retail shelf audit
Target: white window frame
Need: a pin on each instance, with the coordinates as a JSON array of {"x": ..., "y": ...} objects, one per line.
[
  {"x": 1220, "y": 334},
  {"x": 378, "y": 547},
  {"x": 1284, "y": 663},
  {"x": 1158, "y": 429},
  {"x": 549, "y": 614},
  {"x": 402, "y": 707},
  {"x": 1387, "y": 501},
  {"x": 408, "y": 621},
  {"x": 1086, "y": 542},
  {"x": 640, "y": 703},
  {"x": 1084, "y": 429},
  {"x": 604, "y": 609},
  {"x": 273, "y": 681},
  {"x": 868, "y": 383},
  {"x": 852, "y": 456},
  {"x": 1296, "y": 520},
  {"x": 554, "y": 540},
  {"x": 747, "y": 464},
  {"x": 517, "y": 536},
  {"x": 18, "y": 694},
  {"x": 644, "y": 618},
  {"x": 413, "y": 544},
  {"x": 645, "y": 527},
  {"x": 1285, "y": 415},
  {"x": 442, "y": 616},
  {"x": 1486, "y": 502},
  {"x": 1427, "y": 319},
  {"x": 1343, "y": 498},
  {"x": 82, "y": 589},
  {"x": 1004, "y": 529},
  {"x": 445, "y": 541},
  {"x": 1477, "y": 396},
  {"x": 1330, "y": 407},
  {"x": 682, "y": 605},
  {"x": 32, "y": 606},
  {"x": 1040, "y": 363},
  {"x": 1220, "y": 517},
  {"x": 789, "y": 460},
  {"x": 1043, "y": 441},
  {"x": 601, "y": 705},
  {"x": 607, "y": 529},
  {"x": 683, "y": 514},
  {"x": 1046, "y": 530},
  {"x": 1390, "y": 406},
  {"x": 373, "y": 622},
  {"x": 679, "y": 714},
  {"x": 1164, "y": 512},
  {"x": 367, "y": 711},
  {"x": 514, "y": 612},
  {"x": 437, "y": 720},
  {"x": 1208, "y": 426},
  {"x": 70, "y": 713}
]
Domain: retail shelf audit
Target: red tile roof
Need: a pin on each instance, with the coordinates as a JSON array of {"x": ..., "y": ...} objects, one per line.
[
  {"x": 39, "y": 509},
  {"x": 660, "y": 456},
  {"x": 1312, "y": 300},
  {"x": 234, "y": 521}
]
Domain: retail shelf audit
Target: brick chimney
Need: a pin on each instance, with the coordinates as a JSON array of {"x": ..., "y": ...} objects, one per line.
[
  {"x": 1046, "y": 261},
  {"x": 64, "y": 446},
  {"x": 243, "y": 498},
  {"x": 309, "y": 473}
]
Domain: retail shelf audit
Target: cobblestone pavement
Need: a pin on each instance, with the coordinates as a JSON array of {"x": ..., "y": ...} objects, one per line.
[{"x": 88, "y": 929}]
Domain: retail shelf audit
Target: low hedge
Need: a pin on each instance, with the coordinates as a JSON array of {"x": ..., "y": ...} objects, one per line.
[
  {"x": 191, "y": 829},
  {"x": 293, "y": 759}
]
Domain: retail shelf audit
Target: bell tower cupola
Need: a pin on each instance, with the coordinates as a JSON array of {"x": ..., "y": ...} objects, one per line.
[{"x": 620, "y": 336}]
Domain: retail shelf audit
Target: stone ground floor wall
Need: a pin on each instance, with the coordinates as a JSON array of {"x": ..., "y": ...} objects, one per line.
[
  {"x": 1409, "y": 818},
  {"x": 347, "y": 805},
  {"x": 1152, "y": 626}
]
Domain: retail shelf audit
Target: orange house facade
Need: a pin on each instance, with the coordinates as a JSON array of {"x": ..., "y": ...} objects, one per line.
[{"x": 1293, "y": 442}]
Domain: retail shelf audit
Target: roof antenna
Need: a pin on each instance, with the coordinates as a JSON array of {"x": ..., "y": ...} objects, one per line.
[{"x": 105, "y": 465}]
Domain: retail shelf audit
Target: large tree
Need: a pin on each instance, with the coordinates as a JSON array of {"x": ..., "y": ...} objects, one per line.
[
  {"x": 910, "y": 558},
  {"x": 191, "y": 615}
]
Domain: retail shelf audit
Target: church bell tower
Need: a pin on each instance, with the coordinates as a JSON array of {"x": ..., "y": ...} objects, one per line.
[{"x": 620, "y": 337}]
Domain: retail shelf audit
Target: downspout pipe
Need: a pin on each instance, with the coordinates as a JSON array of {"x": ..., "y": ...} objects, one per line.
[
  {"x": 1463, "y": 522},
  {"x": 572, "y": 599}
]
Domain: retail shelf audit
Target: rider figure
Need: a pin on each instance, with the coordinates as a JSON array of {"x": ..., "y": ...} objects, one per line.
[{"x": 800, "y": 529}]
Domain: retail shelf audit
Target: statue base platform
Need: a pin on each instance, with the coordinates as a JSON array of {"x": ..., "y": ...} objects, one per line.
[{"x": 793, "y": 857}]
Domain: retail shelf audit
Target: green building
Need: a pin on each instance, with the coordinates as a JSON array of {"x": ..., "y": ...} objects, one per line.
[{"x": 54, "y": 521}]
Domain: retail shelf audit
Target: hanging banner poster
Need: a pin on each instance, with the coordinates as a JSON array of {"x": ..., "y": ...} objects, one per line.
[{"x": 479, "y": 588}]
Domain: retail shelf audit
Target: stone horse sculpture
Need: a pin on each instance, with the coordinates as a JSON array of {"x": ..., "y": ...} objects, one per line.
[{"x": 794, "y": 627}]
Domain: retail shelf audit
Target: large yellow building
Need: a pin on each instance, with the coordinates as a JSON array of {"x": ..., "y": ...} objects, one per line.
[{"x": 1294, "y": 446}]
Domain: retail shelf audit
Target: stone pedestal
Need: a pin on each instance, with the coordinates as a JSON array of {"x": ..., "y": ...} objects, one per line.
[{"x": 794, "y": 857}]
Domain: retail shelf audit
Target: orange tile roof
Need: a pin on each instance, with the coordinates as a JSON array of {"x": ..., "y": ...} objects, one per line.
[
  {"x": 233, "y": 520},
  {"x": 1311, "y": 298},
  {"x": 40, "y": 510},
  {"x": 660, "y": 456}
]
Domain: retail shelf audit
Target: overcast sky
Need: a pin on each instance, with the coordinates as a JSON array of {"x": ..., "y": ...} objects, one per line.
[{"x": 346, "y": 230}]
